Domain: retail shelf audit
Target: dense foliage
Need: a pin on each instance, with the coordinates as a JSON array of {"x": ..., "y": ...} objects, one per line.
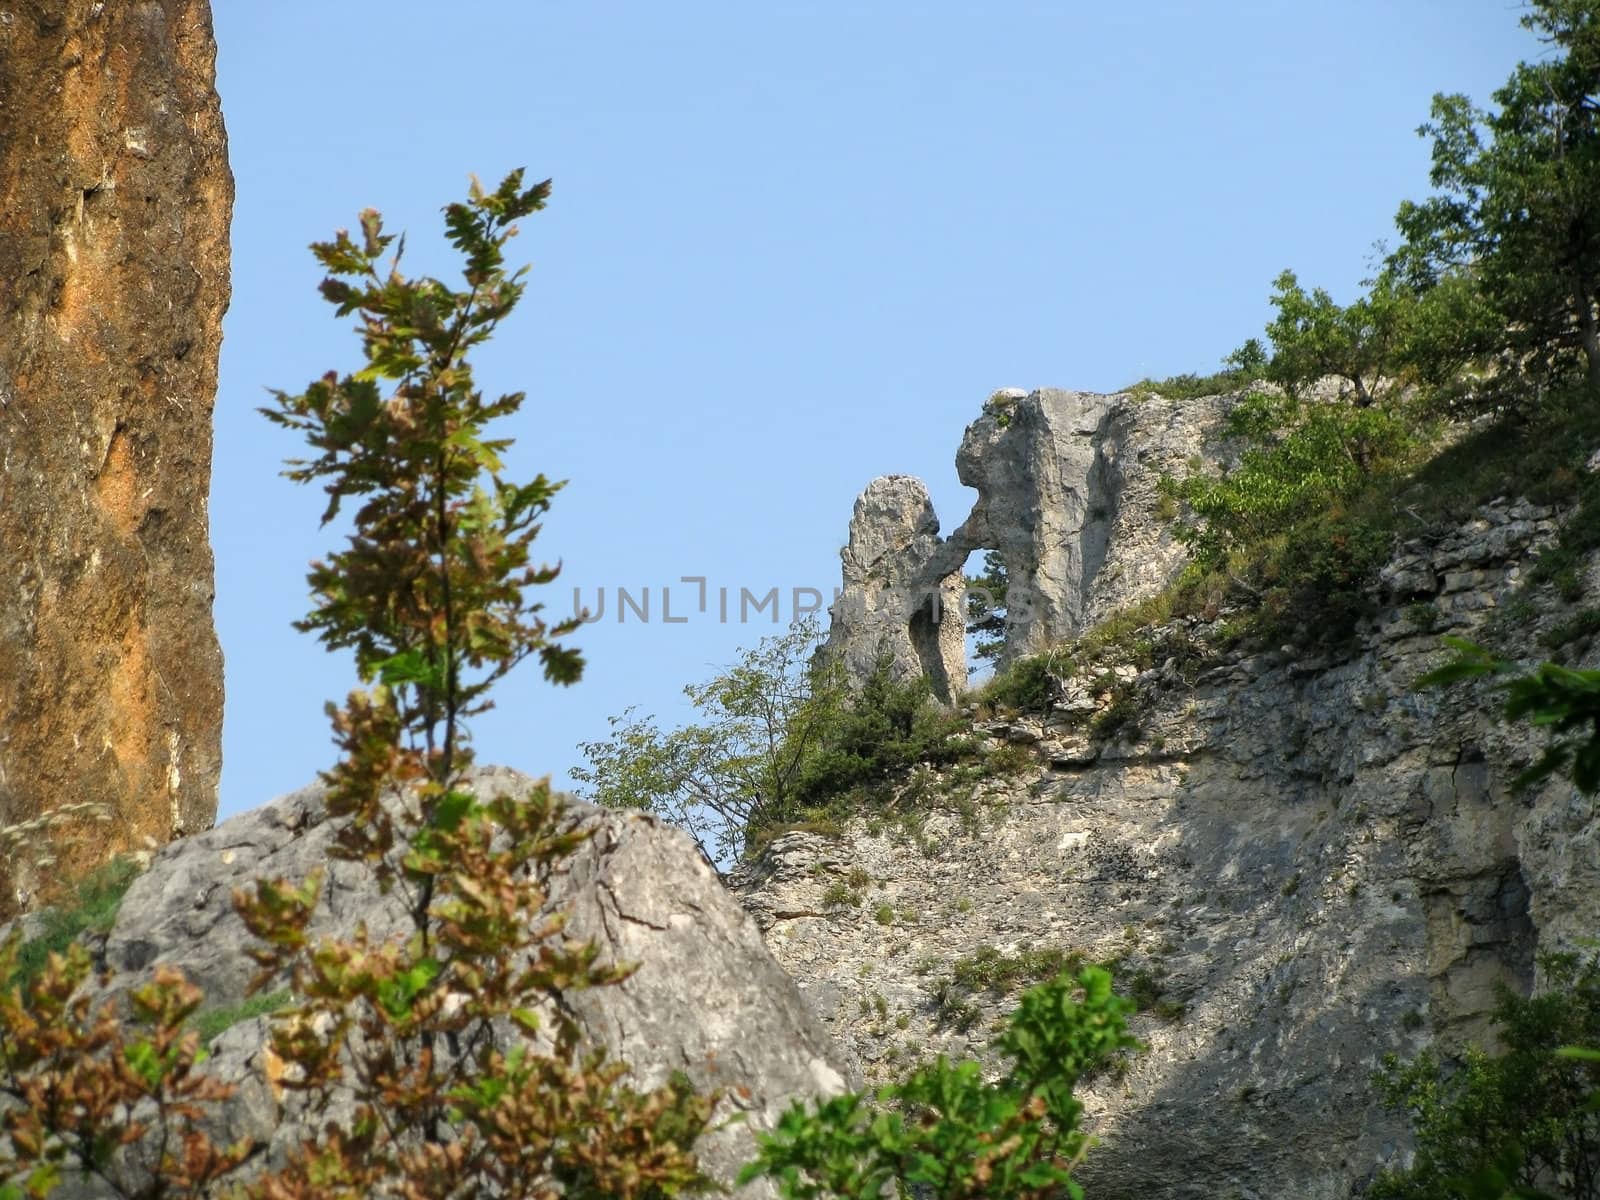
[
  {"x": 944, "y": 1133},
  {"x": 782, "y": 740},
  {"x": 409, "y": 1034},
  {"x": 1517, "y": 213},
  {"x": 1489, "y": 305},
  {"x": 1522, "y": 1122},
  {"x": 1313, "y": 338}
]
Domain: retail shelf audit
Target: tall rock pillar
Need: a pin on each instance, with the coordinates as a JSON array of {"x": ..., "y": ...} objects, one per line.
[{"x": 115, "y": 198}]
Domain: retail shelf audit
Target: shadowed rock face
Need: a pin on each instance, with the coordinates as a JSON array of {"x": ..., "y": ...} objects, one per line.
[
  {"x": 115, "y": 197},
  {"x": 1301, "y": 863}
]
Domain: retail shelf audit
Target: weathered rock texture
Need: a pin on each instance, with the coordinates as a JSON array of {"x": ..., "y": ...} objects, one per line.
[
  {"x": 1067, "y": 493},
  {"x": 707, "y": 999},
  {"x": 1312, "y": 864},
  {"x": 900, "y": 600},
  {"x": 115, "y": 197}
]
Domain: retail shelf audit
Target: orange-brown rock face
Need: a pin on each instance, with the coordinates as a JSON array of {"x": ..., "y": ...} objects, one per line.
[{"x": 115, "y": 197}]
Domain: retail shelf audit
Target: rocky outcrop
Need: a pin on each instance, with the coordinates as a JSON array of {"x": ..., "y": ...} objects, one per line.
[
  {"x": 1067, "y": 488},
  {"x": 115, "y": 197},
  {"x": 707, "y": 998},
  {"x": 1298, "y": 864},
  {"x": 901, "y": 602}
]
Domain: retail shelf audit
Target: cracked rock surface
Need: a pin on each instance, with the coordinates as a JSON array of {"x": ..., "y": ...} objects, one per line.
[
  {"x": 1068, "y": 494},
  {"x": 115, "y": 196},
  {"x": 1298, "y": 864},
  {"x": 707, "y": 998}
]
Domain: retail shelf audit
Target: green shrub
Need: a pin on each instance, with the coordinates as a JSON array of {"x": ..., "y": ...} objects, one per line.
[
  {"x": 1027, "y": 685},
  {"x": 1122, "y": 715},
  {"x": 991, "y": 969},
  {"x": 1519, "y": 1119},
  {"x": 1010, "y": 759},
  {"x": 1303, "y": 458},
  {"x": 735, "y": 773},
  {"x": 840, "y": 894},
  {"x": 1148, "y": 994},
  {"x": 944, "y": 1133},
  {"x": 886, "y": 728},
  {"x": 1423, "y": 614}
]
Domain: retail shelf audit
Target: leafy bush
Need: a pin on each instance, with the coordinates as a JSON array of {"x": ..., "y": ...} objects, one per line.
[
  {"x": 1295, "y": 527},
  {"x": 991, "y": 969},
  {"x": 1027, "y": 685},
  {"x": 884, "y": 729},
  {"x": 1360, "y": 343},
  {"x": 945, "y": 1134},
  {"x": 431, "y": 593},
  {"x": 1522, "y": 1119},
  {"x": 1304, "y": 458},
  {"x": 783, "y": 743},
  {"x": 742, "y": 767}
]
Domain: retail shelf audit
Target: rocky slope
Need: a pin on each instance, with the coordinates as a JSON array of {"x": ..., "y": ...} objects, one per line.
[
  {"x": 1298, "y": 864},
  {"x": 707, "y": 998},
  {"x": 115, "y": 198}
]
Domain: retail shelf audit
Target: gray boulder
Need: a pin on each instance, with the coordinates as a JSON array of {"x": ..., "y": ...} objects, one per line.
[{"x": 707, "y": 998}]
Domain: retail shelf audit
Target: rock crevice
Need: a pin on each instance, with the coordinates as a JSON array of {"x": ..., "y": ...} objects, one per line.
[{"x": 1299, "y": 863}]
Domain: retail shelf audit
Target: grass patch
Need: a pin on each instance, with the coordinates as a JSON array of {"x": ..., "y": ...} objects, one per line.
[
  {"x": 991, "y": 969},
  {"x": 1193, "y": 387},
  {"x": 213, "y": 1022},
  {"x": 92, "y": 909}
]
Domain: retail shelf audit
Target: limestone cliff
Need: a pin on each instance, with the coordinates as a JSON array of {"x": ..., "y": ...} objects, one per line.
[
  {"x": 115, "y": 198},
  {"x": 1299, "y": 863},
  {"x": 1067, "y": 495}
]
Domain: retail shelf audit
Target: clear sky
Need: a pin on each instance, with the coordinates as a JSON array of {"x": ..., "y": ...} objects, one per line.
[{"x": 791, "y": 247}]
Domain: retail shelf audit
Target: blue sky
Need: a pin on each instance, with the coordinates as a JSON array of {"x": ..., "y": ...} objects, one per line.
[{"x": 790, "y": 247}]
